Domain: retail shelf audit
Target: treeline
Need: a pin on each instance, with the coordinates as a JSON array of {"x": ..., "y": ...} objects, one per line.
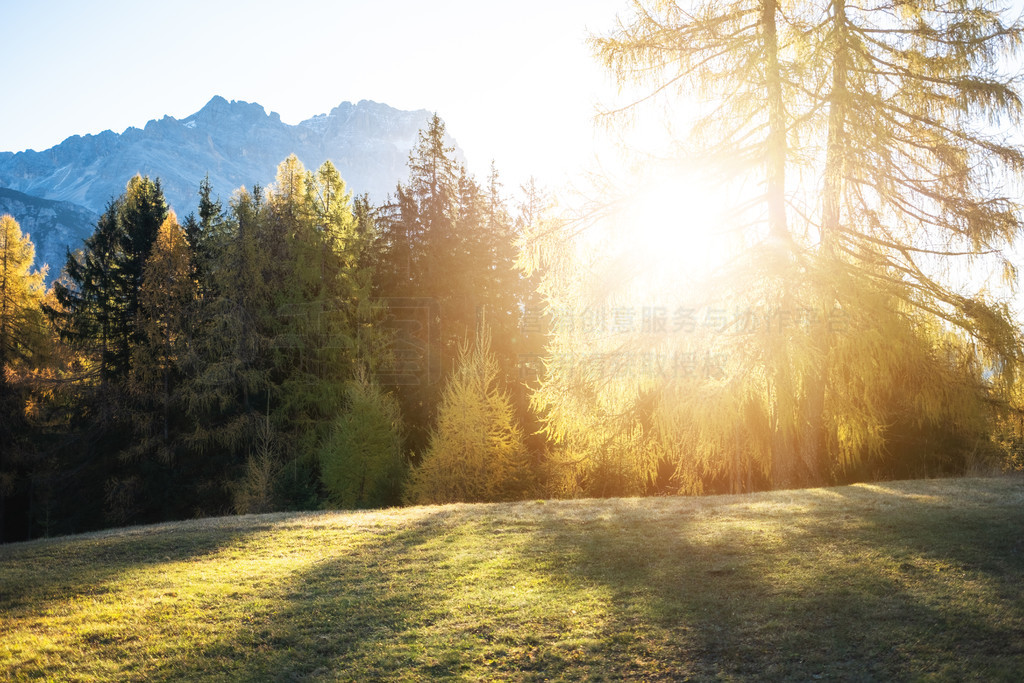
[
  {"x": 297, "y": 348},
  {"x": 290, "y": 349}
]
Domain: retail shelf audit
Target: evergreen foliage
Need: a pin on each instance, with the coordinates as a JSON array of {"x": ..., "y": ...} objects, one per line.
[
  {"x": 446, "y": 238},
  {"x": 245, "y": 359},
  {"x": 99, "y": 304},
  {"x": 361, "y": 463}
]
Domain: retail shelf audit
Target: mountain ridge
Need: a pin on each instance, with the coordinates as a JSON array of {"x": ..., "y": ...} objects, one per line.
[
  {"x": 53, "y": 226},
  {"x": 57, "y": 194},
  {"x": 236, "y": 142}
]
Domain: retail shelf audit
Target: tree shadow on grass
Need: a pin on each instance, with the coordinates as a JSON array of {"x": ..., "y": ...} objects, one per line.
[
  {"x": 351, "y": 605},
  {"x": 803, "y": 596},
  {"x": 41, "y": 572},
  {"x": 825, "y": 586}
]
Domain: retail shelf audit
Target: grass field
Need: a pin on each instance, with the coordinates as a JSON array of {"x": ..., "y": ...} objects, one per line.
[{"x": 895, "y": 581}]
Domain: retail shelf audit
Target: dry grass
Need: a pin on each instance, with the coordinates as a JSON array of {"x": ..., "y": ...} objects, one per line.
[{"x": 904, "y": 580}]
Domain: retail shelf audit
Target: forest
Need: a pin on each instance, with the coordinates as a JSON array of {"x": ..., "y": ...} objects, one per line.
[{"x": 295, "y": 347}]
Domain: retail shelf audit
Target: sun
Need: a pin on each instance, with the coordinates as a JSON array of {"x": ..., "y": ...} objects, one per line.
[{"x": 676, "y": 229}]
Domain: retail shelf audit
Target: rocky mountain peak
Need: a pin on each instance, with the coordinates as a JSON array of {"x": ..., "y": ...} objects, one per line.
[{"x": 236, "y": 143}]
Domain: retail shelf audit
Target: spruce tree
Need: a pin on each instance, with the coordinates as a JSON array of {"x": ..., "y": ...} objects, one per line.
[
  {"x": 229, "y": 364},
  {"x": 99, "y": 302},
  {"x": 446, "y": 239}
]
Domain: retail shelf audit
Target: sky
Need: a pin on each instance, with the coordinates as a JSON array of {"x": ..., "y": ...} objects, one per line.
[{"x": 514, "y": 81}]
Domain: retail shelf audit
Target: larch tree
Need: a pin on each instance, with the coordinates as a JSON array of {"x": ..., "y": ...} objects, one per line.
[
  {"x": 166, "y": 298},
  {"x": 325, "y": 308},
  {"x": 916, "y": 175},
  {"x": 597, "y": 405},
  {"x": 477, "y": 450},
  {"x": 865, "y": 134},
  {"x": 361, "y": 461},
  {"x": 21, "y": 292}
]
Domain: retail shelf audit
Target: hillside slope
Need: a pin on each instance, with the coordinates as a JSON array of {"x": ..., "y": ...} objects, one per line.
[
  {"x": 55, "y": 227},
  {"x": 891, "y": 581}
]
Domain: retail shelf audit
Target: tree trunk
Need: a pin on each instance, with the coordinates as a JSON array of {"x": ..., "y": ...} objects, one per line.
[
  {"x": 783, "y": 451},
  {"x": 814, "y": 442}
]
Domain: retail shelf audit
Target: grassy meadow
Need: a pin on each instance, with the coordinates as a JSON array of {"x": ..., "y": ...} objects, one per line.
[{"x": 893, "y": 581}]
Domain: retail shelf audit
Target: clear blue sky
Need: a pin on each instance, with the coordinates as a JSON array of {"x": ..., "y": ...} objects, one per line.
[{"x": 514, "y": 80}]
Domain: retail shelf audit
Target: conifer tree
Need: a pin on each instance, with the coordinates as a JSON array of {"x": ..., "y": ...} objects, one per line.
[
  {"x": 876, "y": 108},
  {"x": 204, "y": 238},
  {"x": 289, "y": 319},
  {"x": 447, "y": 239},
  {"x": 86, "y": 314},
  {"x": 908, "y": 169},
  {"x": 21, "y": 293},
  {"x": 361, "y": 463},
  {"x": 230, "y": 364},
  {"x": 323, "y": 297},
  {"x": 21, "y": 325},
  {"x": 165, "y": 303},
  {"x": 99, "y": 303},
  {"x": 477, "y": 450}
]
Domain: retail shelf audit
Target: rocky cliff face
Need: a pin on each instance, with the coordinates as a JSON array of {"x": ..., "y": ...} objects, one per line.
[
  {"x": 236, "y": 143},
  {"x": 53, "y": 226}
]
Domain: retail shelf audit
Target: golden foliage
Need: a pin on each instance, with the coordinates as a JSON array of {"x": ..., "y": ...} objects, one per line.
[{"x": 476, "y": 452}]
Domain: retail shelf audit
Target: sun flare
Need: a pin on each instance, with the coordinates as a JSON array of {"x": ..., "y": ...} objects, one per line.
[{"x": 676, "y": 230}]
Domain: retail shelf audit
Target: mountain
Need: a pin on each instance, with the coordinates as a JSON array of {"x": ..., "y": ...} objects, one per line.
[
  {"x": 236, "y": 143},
  {"x": 54, "y": 226}
]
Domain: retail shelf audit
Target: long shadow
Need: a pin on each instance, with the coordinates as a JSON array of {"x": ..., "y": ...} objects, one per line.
[
  {"x": 841, "y": 585},
  {"x": 976, "y": 531},
  {"x": 37, "y": 574},
  {"x": 722, "y": 598},
  {"x": 349, "y": 603}
]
